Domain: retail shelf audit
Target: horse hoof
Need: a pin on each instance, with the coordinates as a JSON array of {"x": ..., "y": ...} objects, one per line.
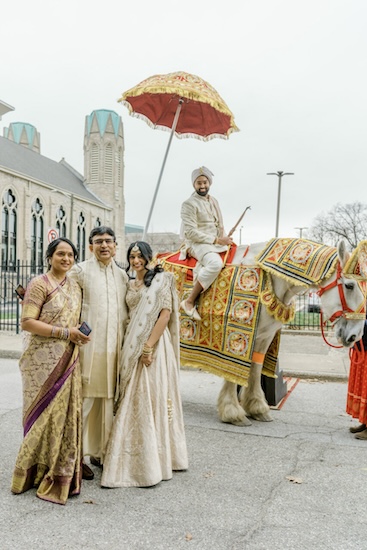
[
  {"x": 245, "y": 422},
  {"x": 262, "y": 417},
  {"x": 238, "y": 422}
]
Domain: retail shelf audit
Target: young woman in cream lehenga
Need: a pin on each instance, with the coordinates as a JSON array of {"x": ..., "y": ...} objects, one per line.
[{"x": 147, "y": 441}]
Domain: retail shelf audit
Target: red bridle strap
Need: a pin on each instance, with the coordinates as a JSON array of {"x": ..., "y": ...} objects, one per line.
[{"x": 339, "y": 283}]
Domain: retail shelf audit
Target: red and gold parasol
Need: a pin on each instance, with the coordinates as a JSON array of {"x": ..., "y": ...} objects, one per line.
[
  {"x": 203, "y": 115},
  {"x": 182, "y": 103}
]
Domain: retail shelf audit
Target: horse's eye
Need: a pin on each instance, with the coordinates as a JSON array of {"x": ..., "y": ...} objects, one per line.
[{"x": 349, "y": 286}]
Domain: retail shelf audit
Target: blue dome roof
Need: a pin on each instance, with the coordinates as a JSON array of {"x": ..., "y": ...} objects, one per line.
[
  {"x": 17, "y": 129},
  {"x": 102, "y": 116}
]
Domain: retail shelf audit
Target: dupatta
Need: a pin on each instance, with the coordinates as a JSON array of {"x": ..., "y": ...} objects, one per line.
[{"x": 142, "y": 321}]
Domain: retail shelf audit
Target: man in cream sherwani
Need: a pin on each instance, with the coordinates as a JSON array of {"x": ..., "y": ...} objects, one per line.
[
  {"x": 103, "y": 286},
  {"x": 202, "y": 228}
]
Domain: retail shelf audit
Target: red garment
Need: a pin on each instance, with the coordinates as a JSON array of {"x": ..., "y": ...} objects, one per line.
[
  {"x": 191, "y": 262},
  {"x": 357, "y": 384}
]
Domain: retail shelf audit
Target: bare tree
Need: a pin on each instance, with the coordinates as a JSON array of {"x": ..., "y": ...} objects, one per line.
[{"x": 343, "y": 221}]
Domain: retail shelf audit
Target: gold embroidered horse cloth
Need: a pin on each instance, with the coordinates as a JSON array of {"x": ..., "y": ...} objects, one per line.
[
  {"x": 298, "y": 260},
  {"x": 222, "y": 343}
]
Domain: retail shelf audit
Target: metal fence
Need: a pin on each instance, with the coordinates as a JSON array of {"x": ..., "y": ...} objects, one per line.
[
  {"x": 307, "y": 315},
  {"x": 11, "y": 277}
]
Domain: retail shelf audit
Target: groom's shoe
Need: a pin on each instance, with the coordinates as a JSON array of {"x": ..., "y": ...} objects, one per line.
[{"x": 193, "y": 313}]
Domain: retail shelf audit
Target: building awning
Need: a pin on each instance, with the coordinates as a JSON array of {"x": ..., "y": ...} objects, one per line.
[{"x": 5, "y": 108}]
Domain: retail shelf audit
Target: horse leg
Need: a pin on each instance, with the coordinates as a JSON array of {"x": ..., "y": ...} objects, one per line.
[
  {"x": 229, "y": 409},
  {"x": 253, "y": 399}
]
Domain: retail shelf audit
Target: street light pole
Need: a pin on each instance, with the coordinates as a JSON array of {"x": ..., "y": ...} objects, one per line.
[
  {"x": 300, "y": 230},
  {"x": 280, "y": 175}
]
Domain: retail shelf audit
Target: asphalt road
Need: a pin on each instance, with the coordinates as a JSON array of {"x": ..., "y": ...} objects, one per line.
[{"x": 298, "y": 482}]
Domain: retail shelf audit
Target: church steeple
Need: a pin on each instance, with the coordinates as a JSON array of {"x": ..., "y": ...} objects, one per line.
[
  {"x": 104, "y": 164},
  {"x": 24, "y": 134}
]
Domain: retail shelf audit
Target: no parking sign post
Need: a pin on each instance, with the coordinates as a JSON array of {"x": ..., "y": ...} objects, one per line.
[{"x": 52, "y": 234}]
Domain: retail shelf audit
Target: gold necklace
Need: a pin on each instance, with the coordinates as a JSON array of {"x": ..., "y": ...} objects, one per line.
[{"x": 138, "y": 284}]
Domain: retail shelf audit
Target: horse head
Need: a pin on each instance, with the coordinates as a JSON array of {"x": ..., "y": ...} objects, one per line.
[{"x": 343, "y": 301}]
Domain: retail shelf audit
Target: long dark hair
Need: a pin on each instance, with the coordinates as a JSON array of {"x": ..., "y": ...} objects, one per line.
[
  {"x": 147, "y": 254},
  {"x": 52, "y": 247}
]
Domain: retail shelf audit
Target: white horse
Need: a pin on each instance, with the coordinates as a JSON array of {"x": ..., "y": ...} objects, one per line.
[{"x": 338, "y": 296}]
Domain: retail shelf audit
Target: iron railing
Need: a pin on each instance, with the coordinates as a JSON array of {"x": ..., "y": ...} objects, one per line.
[
  {"x": 307, "y": 306},
  {"x": 308, "y": 314},
  {"x": 10, "y": 307}
]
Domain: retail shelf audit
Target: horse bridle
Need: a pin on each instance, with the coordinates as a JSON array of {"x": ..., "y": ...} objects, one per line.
[{"x": 345, "y": 312}]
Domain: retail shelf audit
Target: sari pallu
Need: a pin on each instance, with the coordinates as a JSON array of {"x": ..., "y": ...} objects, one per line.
[{"x": 50, "y": 455}]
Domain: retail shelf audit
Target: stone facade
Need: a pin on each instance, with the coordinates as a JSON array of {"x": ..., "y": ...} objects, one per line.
[{"x": 40, "y": 195}]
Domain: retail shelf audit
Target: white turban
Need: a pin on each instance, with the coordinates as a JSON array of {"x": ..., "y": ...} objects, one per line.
[{"x": 202, "y": 171}]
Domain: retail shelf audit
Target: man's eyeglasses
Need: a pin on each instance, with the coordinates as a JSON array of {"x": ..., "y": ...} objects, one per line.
[{"x": 99, "y": 242}]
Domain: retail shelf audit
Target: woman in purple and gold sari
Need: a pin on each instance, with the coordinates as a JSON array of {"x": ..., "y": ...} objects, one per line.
[{"x": 50, "y": 455}]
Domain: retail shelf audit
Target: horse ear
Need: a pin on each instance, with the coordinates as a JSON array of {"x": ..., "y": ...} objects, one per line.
[{"x": 342, "y": 253}]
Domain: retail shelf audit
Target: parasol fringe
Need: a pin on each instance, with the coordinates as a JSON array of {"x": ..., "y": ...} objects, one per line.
[
  {"x": 187, "y": 94},
  {"x": 178, "y": 135}
]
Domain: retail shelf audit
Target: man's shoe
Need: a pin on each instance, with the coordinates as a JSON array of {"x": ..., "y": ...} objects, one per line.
[
  {"x": 193, "y": 313},
  {"x": 361, "y": 435},
  {"x": 357, "y": 429},
  {"x": 87, "y": 472},
  {"x": 95, "y": 461}
]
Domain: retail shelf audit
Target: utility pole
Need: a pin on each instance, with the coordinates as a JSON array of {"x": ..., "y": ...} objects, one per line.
[
  {"x": 280, "y": 175},
  {"x": 300, "y": 230}
]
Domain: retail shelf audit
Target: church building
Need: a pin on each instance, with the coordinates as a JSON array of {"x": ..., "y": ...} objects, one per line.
[{"x": 42, "y": 198}]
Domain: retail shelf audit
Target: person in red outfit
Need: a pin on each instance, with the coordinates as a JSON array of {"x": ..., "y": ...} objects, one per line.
[{"x": 357, "y": 387}]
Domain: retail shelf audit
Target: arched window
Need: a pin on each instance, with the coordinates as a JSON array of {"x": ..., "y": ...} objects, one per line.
[
  {"x": 9, "y": 230},
  {"x": 37, "y": 234},
  {"x": 61, "y": 221},
  {"x": 80, "y": 237},
  {"x": 108, "y": 171},
  {"x": 97, "y": 223},
  {"x": 94, "y": 163}
]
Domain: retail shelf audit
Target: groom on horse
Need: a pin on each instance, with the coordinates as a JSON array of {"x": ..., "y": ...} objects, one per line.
[{"x": 204, "y": 236}]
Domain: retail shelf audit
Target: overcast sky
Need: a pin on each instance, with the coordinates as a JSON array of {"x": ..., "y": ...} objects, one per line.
[{"x": 293, "y": 73}]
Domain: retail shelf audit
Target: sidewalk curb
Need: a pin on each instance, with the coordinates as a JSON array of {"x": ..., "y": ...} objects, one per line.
[{"x": 329, "y": 377}]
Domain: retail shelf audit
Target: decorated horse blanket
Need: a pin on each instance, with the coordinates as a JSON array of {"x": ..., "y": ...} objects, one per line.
[
  {"x": 299, "y": 261},
  {"x": 222, "y": 342}
]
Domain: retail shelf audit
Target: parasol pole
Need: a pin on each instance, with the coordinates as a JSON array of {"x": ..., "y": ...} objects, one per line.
[{"x": 175, "y": 120}]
